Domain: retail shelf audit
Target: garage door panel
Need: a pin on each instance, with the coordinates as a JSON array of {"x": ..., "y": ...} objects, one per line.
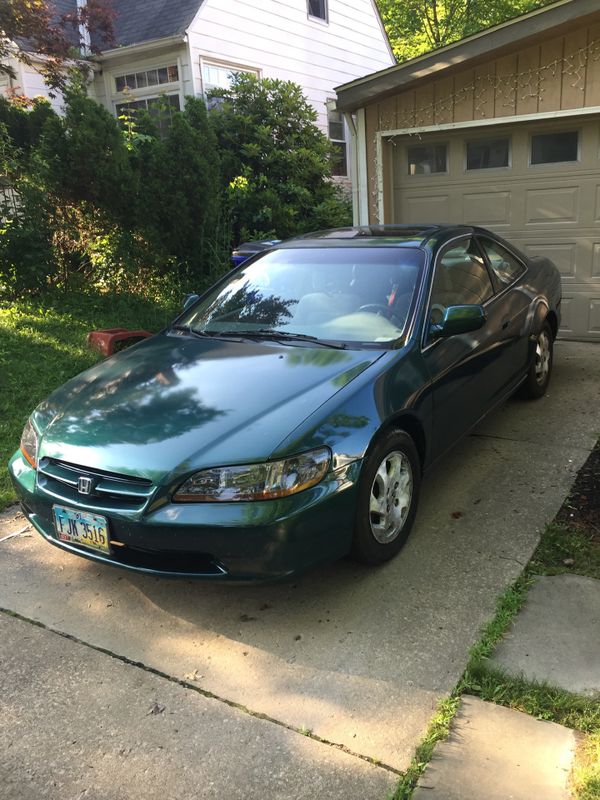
[
  {"x": 596, "y": 261},
  {"x": 550, "y": 206},
  {"x": 488, "y": 208},
  {"x": 431, "y": 207},
  {"x": 581, "y": 316},
  {"x": 563, "y": 255},
  {"x": 597, "y": 204}
]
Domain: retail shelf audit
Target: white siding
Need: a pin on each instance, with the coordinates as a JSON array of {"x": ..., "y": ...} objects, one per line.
[
  {"x": 278, "y": 38},
  {"x": 28, "y": 82}
]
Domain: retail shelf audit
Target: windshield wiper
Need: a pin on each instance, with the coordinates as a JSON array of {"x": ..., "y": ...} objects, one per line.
[
  {"x": 289, "y": 336},
  {"x": 203, "y": 334}
]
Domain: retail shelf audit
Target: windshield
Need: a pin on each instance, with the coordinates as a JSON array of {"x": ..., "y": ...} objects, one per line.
[{"x": 341, "y": 294}]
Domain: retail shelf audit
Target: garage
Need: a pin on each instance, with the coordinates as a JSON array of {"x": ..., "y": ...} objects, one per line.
[
  {"x": 500, "y": 130},
  {"x": 536, "y": 184}
]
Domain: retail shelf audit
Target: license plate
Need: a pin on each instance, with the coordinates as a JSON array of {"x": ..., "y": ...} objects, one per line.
[{"x": 81, "y": 527}]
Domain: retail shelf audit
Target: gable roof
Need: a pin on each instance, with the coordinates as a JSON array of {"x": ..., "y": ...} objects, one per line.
[
  {"x": 516, "y": 31},
  {"x": 138, "y": 21}
]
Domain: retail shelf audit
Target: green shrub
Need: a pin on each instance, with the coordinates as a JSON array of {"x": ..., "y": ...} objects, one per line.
[{"x": 276, "y": 162}]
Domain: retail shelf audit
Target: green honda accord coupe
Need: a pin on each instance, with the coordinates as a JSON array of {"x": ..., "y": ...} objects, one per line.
[{"x": 287, "y": 416}]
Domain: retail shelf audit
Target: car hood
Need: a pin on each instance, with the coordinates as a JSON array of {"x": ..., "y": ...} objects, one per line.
[{"x": 175, "y": 403}]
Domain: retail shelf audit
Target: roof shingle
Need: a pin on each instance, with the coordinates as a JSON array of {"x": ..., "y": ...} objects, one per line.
[{"x": 139, "y": 21}]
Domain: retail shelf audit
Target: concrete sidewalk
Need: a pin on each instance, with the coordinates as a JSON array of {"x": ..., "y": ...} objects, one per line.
[
  {"x": 357, "y": 657},
  {"x": 497, "y": 753}
]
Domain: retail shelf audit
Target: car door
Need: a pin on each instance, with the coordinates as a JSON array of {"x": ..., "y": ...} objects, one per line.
[{"x": 465, "y": 370}]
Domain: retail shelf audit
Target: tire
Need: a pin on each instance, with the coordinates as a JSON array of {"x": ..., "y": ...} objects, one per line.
[
  {"x": 540, "y": 369},
  {"x": 390, "y": 479}
]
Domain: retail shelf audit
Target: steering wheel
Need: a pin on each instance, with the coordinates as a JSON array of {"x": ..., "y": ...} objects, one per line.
[
  {"x": 439, "y": 310},
  {"x": 378, "y": 308}
]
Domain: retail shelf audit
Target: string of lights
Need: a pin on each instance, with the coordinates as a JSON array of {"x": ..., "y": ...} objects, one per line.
[{"x": 502, "y": 89}]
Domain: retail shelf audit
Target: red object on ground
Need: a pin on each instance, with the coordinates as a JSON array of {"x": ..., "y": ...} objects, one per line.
[{"x": 106, "y": 341}]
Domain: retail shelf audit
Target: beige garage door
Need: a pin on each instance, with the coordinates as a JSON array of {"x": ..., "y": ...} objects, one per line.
[{"x": 537, "y": 185}]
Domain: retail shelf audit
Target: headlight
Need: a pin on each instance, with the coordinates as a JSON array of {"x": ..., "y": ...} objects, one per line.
[
  {"x": 29, "y": 444},
  {"x": 256, "y": 481}
]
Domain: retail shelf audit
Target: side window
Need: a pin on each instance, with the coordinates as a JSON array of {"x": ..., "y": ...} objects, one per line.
[
  {"x": 461, "y": 278},
  {"x": 504, "y": 265}
]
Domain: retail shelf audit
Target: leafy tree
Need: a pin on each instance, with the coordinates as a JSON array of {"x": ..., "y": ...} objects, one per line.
[
  {"x": 179, "y": 189},
  {"x": 34, "y": 26},
  {"x": 418, "y": 26},
  {"x": 276, "y": 163},
  {"x": 84, "y": 158}
]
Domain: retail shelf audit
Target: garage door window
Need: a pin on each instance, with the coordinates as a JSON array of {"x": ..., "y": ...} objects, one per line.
[
  {"x": 552, "y": 148},
  {"x": 504, "y": 265},
  {"x": 488, "y": 154},
  {"x": 427, "y": 159}
]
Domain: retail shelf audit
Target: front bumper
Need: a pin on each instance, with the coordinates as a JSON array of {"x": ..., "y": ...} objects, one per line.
[{"x": 267, "y": 540}]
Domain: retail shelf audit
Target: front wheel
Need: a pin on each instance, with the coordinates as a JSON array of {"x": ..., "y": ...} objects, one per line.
[
  {"x": 387, "y": 499},
  {"x": 540, "y": 369}
]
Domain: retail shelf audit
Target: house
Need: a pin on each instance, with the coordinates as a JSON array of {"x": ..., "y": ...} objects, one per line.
[
  {"x": 28, "y": 80},
  {"x": 174, "y": 48},
  {"x": 501, "y": 130}
]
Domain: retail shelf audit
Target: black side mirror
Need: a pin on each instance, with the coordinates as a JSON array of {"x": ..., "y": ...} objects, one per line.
[
  {"x": 459, "y": 319},
  {"x": 189, "y": 300}
]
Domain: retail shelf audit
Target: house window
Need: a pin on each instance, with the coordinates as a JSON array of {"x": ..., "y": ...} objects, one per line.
[
  {"x": 218, "y": 76},
  {"x": 149, "y": 77},
  {"x": 160, "y": 108},
  {"x": 337, "y": 136},
  {"x": 488, "y": 154},
  {"x": 552, "y": 148},
  {"x": 317, "y": 8},
  {"x": 427, "y": 159}
]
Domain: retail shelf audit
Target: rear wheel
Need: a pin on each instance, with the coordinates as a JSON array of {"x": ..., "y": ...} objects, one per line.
[
  {"x": 540, "y": 369},
  {"x": 388, "y": 495}
]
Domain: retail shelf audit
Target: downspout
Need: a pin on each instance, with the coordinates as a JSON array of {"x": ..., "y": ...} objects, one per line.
[
  {"x": 84, "y": 33},
  {"x": 354, "y": 145}
]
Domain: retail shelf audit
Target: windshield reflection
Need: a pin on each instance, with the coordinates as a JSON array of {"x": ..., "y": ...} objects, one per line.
[{"x": 360, "y": 294}]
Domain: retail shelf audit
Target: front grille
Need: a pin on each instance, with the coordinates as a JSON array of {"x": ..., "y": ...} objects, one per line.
[{"x": 110, "y": 490}]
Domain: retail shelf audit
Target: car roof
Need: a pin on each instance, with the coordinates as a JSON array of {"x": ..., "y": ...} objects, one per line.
[{"x": 405, "y": 236}]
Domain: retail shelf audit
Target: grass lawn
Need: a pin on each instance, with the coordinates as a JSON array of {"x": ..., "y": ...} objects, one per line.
[{"x": 43, "y": 343}]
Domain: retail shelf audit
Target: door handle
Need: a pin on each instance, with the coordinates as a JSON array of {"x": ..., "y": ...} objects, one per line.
[{"x": 506, "y": 323}]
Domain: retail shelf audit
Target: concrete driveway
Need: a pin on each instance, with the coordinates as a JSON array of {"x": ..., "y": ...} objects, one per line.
[{"x": 347, "y": 656}]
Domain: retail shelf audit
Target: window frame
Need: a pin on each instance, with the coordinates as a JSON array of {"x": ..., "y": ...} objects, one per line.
[
  {"x": 146, "y": 99},
  {"x": 335, "y": 140},
  {"x": 542, "y": 164},
  {"x": 144, "y": 89},
  {"x": 500, "y": 287},
  {"x": 226, "y": 65},
  {"x": 482, "y": 140}
]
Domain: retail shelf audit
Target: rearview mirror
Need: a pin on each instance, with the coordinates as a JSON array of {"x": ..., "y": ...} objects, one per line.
[
  {"x": 189, "y": 300},
  {"x": 459, "y": 319}
]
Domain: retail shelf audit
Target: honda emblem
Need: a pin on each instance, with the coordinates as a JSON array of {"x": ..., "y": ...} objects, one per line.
[{"x": 84, "y": 485}]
